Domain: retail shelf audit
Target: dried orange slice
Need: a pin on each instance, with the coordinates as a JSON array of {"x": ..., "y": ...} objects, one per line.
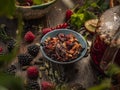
[{"x": 91, "y": 25}]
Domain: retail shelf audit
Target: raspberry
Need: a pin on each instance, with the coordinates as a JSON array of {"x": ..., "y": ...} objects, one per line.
[
  {"x": 33, "y": 85},
  {"x": 46, "y": 30},
  {"x": 33, "y": 50},
  {"x": 24, "y": 59},
  {"x": 1, "y": 49},
  {"x": 32, "y": 72},
  {"x": 47, "y": 85},
  {"x": 68, "y": 14},
  {"x": 29, "y": 36}
]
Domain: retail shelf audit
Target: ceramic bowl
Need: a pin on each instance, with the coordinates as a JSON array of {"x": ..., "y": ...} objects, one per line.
[
  {"x": 35, "y": 11},
  {"x": 54, "y": 33}
]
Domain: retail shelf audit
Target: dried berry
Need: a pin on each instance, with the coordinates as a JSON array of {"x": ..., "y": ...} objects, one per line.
[
  {"x": 33, "y": 50},
  {"x": 24, "y": 59},
  {"x": 32, "y": 72},
  {"x": 29, "y": 36},
  {"x": 60, "y": 26}
]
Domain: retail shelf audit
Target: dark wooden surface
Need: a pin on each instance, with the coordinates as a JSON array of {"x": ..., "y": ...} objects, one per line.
[
  {"x": 85, "y": 74},
  {"x": 80, "y": 72}
]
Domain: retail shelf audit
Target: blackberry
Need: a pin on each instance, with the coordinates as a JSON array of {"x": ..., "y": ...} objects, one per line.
[
  {"x": 24, "y": 59},
  {"x": 11, "y": 70},
  {"x": 33, "y": 50},
  {"x": 33, "y": 85},
  {"x": 11, "y": 45}
]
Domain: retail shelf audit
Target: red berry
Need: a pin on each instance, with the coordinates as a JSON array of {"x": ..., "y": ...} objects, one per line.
[
  {"x": 1, "y": 49},
  {"x": 53, "y": 28},
  {"x": 32, "y": 72},
  {"x": 47, "y": 85},
  {"x": 29, "y": 36},
  {"x": 60, "y": 26},
  {"x": 68, "y": 14},
  {"x": 65, "y": 25},
  {"x": 46, "y": 30}
]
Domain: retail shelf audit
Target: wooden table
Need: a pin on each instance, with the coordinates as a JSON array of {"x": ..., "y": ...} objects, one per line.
[{"x": 80, "y": 72}]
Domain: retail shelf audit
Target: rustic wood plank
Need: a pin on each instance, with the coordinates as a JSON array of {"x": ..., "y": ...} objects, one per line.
[{"x": 80, "y": 72}]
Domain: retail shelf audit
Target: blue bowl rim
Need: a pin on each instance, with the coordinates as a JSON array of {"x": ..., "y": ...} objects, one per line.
[
  {"x": 37, "y": 6},
  {"x": 55, "y": 61}
]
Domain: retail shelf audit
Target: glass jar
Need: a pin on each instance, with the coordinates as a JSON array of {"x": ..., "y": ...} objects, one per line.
[{"x": 105, "y": 48}]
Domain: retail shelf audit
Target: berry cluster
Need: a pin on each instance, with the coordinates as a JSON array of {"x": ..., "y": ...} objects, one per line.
[
  {"x": 33, "y": 85},
  {"x": 24, "y": 59},
  {"x": 11, "y": 45},
  {"x": 33, "y": 50},
  {"x": 60, "y": 26}
]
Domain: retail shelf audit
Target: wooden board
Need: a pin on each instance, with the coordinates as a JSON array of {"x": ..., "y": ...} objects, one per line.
[{"x": 80, "y": 72}]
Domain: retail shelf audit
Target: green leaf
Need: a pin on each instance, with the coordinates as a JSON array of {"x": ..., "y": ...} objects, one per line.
[
  {"x": 90, "y": 15},
  {"x": 3, "y": 88},
  {"x": 76, "y": 20},
  {"x": 11, "y": 82},
  {"x": 113, "y": 69},
  {"x": 7, "y": 58},
  {"x": 94, "y": 4},
  {"x": 104, "y": 6},
  {"x": 105, "y": 85},
  {"x": 7, "y": 8}
]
